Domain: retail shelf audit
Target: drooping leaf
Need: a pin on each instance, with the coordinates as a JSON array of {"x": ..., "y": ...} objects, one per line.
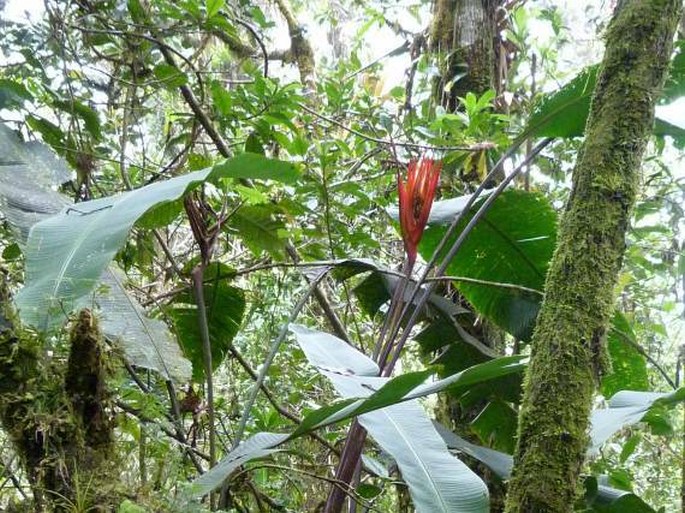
[
  {"x": 437, "y": 481},
  {"x": 499, "y": 462},
  {"x": 511, "y": 245},
  {"x": 392, "y": 392},
  {"x": 67, "y": 253},
  {"x": 89, "y": 116},
  {"x": 26, "y": 173},
  {"x": 258, "y": 446},
  {"x": 601, "y": 498},
  {"x": 626, "y": 408},
  {"x": 598, "y": 498},
  {"x": 51, "y": 133},
  {"x": 147, "y": 342},
  {"x": 225, "y": 307},
  {"x": 326, "y": 351}
]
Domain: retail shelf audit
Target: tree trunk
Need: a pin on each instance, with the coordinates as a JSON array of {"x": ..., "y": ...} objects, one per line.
[
  {"x": 62, "y": 431},
  {"x": 568, "y": 352},
  {"x": 463, "y": 34}
]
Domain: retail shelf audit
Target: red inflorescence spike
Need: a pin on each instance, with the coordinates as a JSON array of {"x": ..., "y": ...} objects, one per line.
[{"x": 416, "y": 198}]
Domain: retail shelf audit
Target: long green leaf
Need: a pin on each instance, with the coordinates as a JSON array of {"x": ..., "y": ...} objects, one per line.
[
  {"x": 598, "y": 498},
  {"x": 27, "y": 172},
  {"x": 67, "y": 253},
  {"x": 626, "y": 408},
  {"x": 392, "y": 392},
  {"x": 437, "y": 481}
]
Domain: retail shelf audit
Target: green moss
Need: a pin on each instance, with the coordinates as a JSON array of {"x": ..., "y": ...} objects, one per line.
[
  {"x": 59, "y": 426},
  {"x": 568, "y": 352}
]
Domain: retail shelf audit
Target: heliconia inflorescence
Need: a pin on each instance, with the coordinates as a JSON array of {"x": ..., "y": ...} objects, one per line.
[{"x": 416, "y": 198}]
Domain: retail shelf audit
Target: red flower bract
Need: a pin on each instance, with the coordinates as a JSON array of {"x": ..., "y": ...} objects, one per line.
[{"x": 416, "y": 198}]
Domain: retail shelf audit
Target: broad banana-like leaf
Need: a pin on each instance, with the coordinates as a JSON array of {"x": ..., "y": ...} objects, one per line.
[
  {"x": 28, "y": 171},
  {"x": 437, "y": 481},
  {"x": 146, "y": 342},
  {"x": 598, "y": 498},
  {"x": 626, "y": 408},
  {"x": 67, "y": 253},
  {"x": 396, "y": 390}
]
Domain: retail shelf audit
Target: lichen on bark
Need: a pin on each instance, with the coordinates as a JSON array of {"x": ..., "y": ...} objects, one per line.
[{"x": 568, "y": 350}]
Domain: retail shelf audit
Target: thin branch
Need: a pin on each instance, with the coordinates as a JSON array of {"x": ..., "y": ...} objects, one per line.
[
  {"x": 198, "y": 289},
  {"x": 426, "y": 147},
  {"x": 273, "y": 350},
  {"x": 182, "y": 441},
  {"x": 269, "y": 396}
]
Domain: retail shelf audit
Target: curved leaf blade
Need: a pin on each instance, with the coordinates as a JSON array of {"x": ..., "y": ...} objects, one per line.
[
  {"x": 67, "y": 253},
  {"x": 512, "y": 244},
  {"x": 437, "y": 481}
]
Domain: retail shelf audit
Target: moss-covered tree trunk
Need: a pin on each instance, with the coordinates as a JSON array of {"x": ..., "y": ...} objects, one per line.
[
  {"x": 568, "y": 344},
  {"x": 57, "y": 419},
  {"x": 463, "y": 34}
]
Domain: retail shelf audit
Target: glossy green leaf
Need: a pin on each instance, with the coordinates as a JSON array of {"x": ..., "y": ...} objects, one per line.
[
  {"x": 256, "y": 167},
  {"x": 225, "y": 306},
  {"x": 213, "y": 6},
  {"x": 512, "y": 244},
  {"x": 626, "y": 408}
]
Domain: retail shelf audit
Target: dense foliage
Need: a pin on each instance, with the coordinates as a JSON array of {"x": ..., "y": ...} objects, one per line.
[{"x": 204, "y": 279}]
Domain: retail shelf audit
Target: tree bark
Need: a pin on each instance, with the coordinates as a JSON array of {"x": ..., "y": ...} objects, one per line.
[
  {"x": 463, "y": 33},
  {"x": 568, "y": 349}
]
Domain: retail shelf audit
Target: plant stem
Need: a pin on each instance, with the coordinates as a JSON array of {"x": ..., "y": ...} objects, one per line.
[
  {"x": 198, "y": 288},
  {"x": 240, "y": 431},
  {"x": 356, "y": 436}
]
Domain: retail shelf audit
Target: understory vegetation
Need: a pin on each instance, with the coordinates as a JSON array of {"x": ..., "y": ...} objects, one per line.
[{"x": 325, "y": 256}]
